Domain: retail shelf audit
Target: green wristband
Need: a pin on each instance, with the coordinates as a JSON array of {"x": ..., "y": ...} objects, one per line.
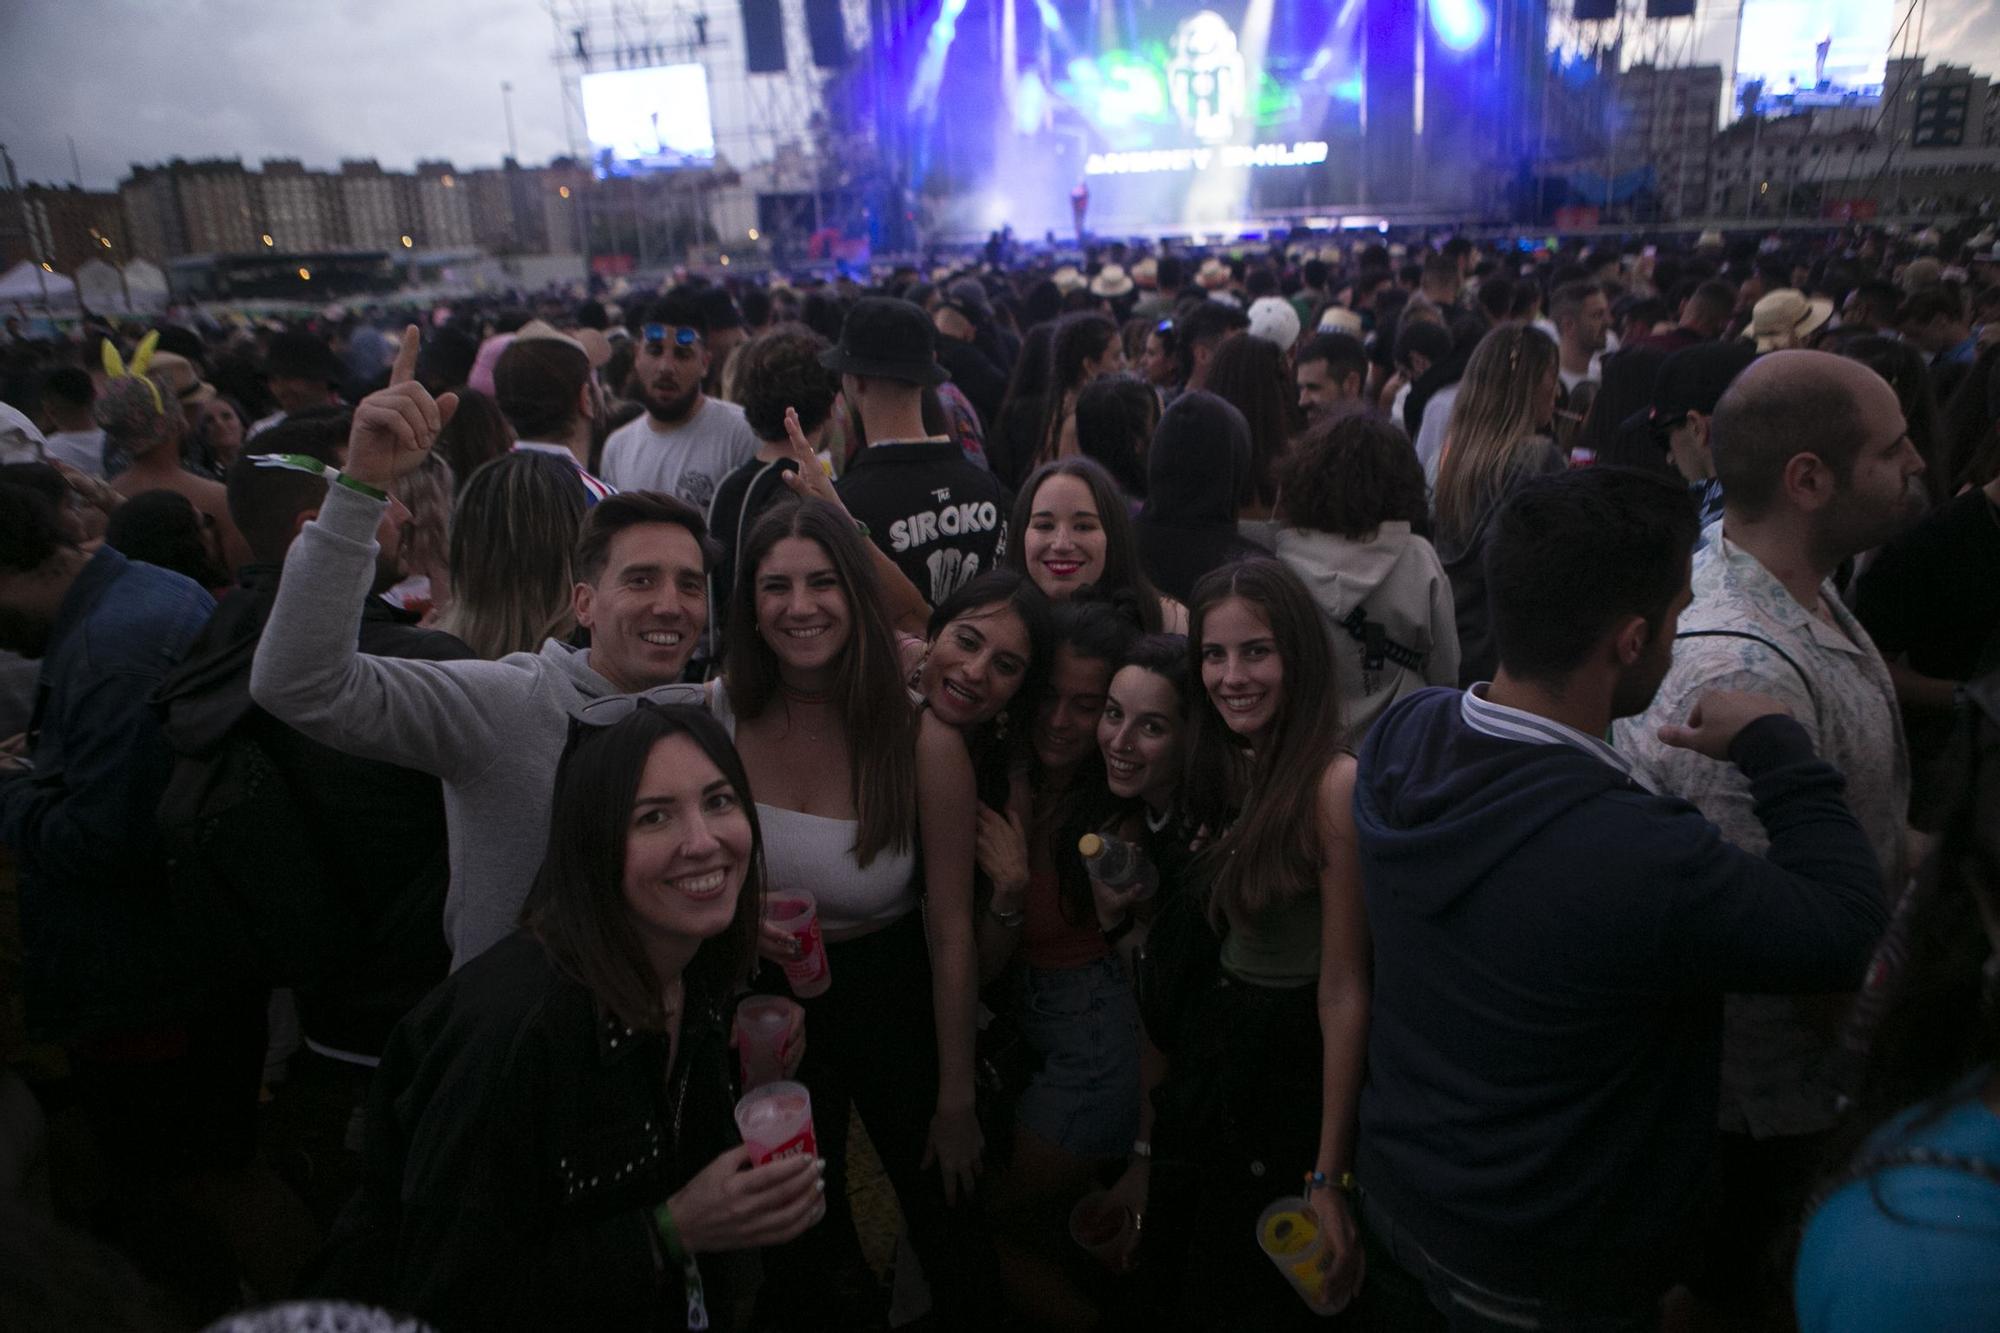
[
  {"x": 375, "y": 493},
  {"x": 691, "y": 1284}
]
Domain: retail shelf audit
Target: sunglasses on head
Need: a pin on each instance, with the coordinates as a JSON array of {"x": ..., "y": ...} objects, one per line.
[
  {"x": 657, "y": 336},
  {"x": 612, "y": 709}
]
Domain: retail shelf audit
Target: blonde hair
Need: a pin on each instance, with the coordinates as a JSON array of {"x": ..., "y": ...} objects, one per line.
[
  {"x": 1492, "y": 419},
  {"x": 426, "y": 492},
  {"x": 513, "y": 541}
]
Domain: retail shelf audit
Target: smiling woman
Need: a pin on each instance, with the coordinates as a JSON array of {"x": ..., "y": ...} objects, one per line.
[
  {"x": 1074, "y": 530},
  {"x": 852, "y": 781},
  {"x": 558, "y": 1114}
]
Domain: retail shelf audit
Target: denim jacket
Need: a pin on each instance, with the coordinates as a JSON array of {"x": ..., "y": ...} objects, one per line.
[{"x": 101, "y": 952}]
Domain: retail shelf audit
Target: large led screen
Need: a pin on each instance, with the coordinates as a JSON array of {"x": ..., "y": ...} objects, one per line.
[
  {"x": 653, "y": 119},
  {"x": 1793, "y": 55}
]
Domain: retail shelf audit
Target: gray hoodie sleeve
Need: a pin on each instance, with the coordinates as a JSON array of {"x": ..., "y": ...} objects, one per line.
[{"x": 310, "y": 674}]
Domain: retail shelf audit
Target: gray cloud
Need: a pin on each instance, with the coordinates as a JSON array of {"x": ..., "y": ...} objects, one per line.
[{"x": 391, "y": 79}]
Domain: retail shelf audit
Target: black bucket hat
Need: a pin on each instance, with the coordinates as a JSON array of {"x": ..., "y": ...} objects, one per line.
[{"x": 884, "y": 338}]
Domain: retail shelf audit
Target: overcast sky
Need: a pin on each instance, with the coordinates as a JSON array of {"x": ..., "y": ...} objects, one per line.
[{"x": 145, "y": 80}]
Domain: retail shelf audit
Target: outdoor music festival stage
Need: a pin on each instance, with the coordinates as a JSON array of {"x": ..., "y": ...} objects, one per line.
[{"x": 1179, "y": 117}]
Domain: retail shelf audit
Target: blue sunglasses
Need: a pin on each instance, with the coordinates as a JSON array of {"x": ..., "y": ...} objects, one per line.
[{"x": 656, "y": 337}]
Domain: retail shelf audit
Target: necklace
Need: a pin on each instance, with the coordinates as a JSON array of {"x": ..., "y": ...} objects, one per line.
[
  {"x": 794, "y": 694},
  {"x": 805, "y": 699}
]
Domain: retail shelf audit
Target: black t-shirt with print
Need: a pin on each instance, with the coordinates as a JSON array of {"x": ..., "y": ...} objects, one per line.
[{"x": 939, "y": 516}]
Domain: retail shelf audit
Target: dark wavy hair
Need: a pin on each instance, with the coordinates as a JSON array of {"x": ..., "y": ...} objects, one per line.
[
  {"x": 1097, "y": 629},
  {"x": 868, "y": 686},
  {"x": 1078, "y": 338},
  {"x": 1122, "y": 572},
  {"x": 1266, "y": 804},
  {"x": 1350, "y": 475},
  {"x": 1249, "y": 374},
  {"x": 994, "y": 744},
  {"x": 780, "y": 369},
  {"x": 1902, "y": 366},
  {"x": 576, "y": 906},
  {"x": 1115, "y": 420}
]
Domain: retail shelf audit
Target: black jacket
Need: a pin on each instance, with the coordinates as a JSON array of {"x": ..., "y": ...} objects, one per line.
[
  {"x": 384, "y": 826},
  {"x": 983, "y": 383},
  {"x": 941, "y": 517},
  {"x": 519, "y": 1139}
]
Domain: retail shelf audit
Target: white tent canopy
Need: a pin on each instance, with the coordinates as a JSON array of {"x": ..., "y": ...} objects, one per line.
[
  {"x": 27, "y": 284},
  {"x": 146, "y": 284}
]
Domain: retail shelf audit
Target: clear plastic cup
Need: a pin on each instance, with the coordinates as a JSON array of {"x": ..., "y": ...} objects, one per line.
[
  {"x": 762, "y": 1029},
  {"x": 1103, "y": 1228},
  {"x": 776, "y": 1122},
  {"x": 1288, "y": 1233},
  {"x": 795, "y": 912}
]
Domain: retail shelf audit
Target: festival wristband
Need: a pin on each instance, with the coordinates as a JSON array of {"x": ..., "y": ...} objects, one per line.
[
  {"x": 313, "y": 467},
  {"x": 670, "y": 1239}
]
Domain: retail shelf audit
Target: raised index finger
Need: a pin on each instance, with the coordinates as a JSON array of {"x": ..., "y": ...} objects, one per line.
[{"x": 405, "y": 368}]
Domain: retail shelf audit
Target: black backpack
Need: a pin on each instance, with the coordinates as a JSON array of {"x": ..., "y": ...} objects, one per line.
[{"x": 256, "y": 899}]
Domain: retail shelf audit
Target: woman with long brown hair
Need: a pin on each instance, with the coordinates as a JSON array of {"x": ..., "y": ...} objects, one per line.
[
  {"x": 1497, "y": 439},
  {"x": 1263, "y": 1056},
  {"x": 549, "y": 1142},
  {"x": 1085, "y": 347},
  {"x": 870, "y": 807}
]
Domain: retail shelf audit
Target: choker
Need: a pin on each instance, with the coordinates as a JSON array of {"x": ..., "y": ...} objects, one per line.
[{"x": 798, "y": 696}]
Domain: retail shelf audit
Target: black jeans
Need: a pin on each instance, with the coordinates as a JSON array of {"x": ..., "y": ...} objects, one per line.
[{"x": 871, "y": 1044}]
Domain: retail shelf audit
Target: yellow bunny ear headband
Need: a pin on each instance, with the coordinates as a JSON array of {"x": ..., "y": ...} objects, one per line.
[{"x": 142, "y": 360}]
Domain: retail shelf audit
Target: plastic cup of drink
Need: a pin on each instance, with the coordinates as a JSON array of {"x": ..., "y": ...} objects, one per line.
[
  {"x": 776, "y": 1122},
  {"x": 1103, "y": 1228},
  {"x": 1288, "y": 1233},
  {"x": 796, "y": 913},
  {"x": 762, "y": 1026}
]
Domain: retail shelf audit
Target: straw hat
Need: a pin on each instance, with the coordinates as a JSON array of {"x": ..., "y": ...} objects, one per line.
[
  {"x": 1339, "y": 319},
  {"x": 1147, "y": 273},
  {"x": 1785, "y": 318},
  {"x": 1212, "y": 274},
  {"x": 1111, "y": 282},
  {"x": 177, "y": 375},
  {"x": 1067, "y": 278}
]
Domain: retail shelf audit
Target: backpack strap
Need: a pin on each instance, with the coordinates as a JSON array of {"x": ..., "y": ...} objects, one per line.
[
  {"x": 1788, "y": 659},
  {"x": 1377, "y": 646}
]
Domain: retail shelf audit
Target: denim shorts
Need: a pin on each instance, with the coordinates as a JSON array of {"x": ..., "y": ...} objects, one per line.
[{"x": 1084, "y": 1024}]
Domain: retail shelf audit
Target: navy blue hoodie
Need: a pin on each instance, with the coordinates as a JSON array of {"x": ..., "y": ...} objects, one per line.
[{"x": 1552, "y": 944}]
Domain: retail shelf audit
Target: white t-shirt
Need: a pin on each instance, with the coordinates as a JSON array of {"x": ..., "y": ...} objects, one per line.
[
  {"x": 1430, "y": 430},
  {"x": 688, "y": 460},
  {"x": 81, "y": 449}
]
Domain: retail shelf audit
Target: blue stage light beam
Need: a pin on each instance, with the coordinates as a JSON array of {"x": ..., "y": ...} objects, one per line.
[
  {"x": 930, "y": 68},
  {"x": 1460, "y": 24}
]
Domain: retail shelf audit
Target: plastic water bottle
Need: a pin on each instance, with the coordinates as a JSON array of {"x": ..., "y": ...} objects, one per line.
[{"x": 1117, "y": 864}]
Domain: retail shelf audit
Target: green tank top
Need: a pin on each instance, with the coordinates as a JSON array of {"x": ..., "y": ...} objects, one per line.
[{"x": 1277, "y": 947}]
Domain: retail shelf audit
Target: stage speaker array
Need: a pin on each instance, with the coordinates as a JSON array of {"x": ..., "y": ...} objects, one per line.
[
  {"x": 828, "y": 32},
  {"x": 763, "y": 37},
  {"x": 1588, "y": 11},
  {"x": 1669, "y": 9}
]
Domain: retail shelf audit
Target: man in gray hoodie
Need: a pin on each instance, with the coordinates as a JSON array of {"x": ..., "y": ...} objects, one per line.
[{"x": 493, "y": 732}]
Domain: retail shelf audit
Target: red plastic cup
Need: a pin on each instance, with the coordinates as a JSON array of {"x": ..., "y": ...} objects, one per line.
[
  {"x": 776, "y": 1122},
  {"x": 795, "y": 912},
  {"x": 763, "y": 1025},
  {"x": 1102, "y": 1228}
]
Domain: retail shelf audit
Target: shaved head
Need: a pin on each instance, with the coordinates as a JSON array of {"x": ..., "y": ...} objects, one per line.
[{"x": 1796, "y": 402}]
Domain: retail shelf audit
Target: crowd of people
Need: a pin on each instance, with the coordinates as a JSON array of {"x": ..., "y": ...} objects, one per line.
[{"x": 1391, "y": 786}]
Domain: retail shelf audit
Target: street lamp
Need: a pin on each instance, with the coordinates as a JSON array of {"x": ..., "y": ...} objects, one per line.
[
  {"x": 266, "y": 238},
  {"x": 408, "y": 243},
  {"x": 305, "y": 275}
]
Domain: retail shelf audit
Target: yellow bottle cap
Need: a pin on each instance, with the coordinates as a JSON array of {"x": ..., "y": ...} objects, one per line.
[{"x": 1090, "y": 845}]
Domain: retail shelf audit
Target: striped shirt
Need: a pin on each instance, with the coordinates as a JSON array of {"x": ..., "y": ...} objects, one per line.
[
  {"x": 594, "y": 488},
  {"x": 1513, "y": 724}
]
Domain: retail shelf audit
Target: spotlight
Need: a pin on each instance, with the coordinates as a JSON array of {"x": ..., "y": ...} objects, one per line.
[{"x": 1459, "y": 24}]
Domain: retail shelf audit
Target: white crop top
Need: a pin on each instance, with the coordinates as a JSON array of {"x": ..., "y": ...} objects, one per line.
[{"x": 816, "y": 854}]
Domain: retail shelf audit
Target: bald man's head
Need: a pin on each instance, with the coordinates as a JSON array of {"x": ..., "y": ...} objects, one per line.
[{"x": 1797, "y": 402}]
